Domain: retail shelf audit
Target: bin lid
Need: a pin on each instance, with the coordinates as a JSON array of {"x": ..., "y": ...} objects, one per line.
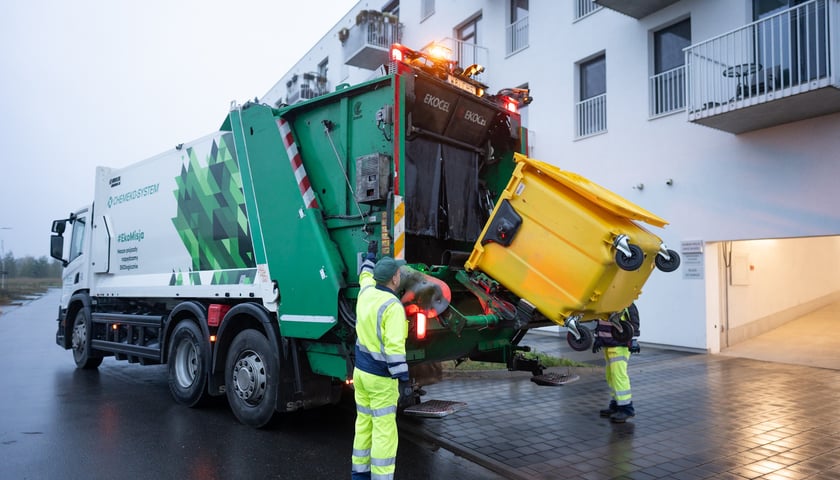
[{"x": 594, "y": 192}]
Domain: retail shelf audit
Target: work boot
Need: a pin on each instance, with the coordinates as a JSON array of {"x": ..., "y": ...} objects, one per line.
[
  {"x": 624, "y": 412},
  {"x": 609, "y": 411}
]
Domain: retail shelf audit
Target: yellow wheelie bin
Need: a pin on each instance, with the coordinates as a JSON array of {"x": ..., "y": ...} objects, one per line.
[{"x": 573, "y": 249}]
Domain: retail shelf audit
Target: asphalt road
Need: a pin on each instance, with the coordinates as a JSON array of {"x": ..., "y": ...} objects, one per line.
[{"x": 120, "y": 422}]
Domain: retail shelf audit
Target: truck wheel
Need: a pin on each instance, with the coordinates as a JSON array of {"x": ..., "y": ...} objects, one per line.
[
  {"x": 633, "y": 262},
  {"x": 585, "y": 341},
  {"x": 667, "y": 265},
  {"x": 85, "y": 359},
  {"x": 188, "y": 364},
  {"x": 251, "y": 379}
]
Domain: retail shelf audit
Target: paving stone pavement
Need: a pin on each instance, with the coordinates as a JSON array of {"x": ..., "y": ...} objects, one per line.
[{"x": 697, "y": 416}]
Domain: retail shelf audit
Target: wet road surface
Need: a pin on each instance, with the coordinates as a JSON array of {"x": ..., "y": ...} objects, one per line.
[{"x": 120, "y": 422}]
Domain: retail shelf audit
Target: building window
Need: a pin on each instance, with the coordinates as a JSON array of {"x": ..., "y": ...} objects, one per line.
[
  {"x": 517, "y": 31},
  {"x": 393, "y": 7},
  {"x": 468, "y": 32},
  {"x": 467, "y": 51},
  {"x": 792, "y": 43},
  {"x": 585, "y": 7},
  {"x": 427, "y": 9},
  {"x": 591, "y": 109},
  {"x": 323, "y": 67},
  {"x": 667, "y": 85}
]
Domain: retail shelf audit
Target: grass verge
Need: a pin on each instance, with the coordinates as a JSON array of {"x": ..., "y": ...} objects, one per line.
[
  {"x": 547, "y": 361},
  {"x": 18, "y": 289}
]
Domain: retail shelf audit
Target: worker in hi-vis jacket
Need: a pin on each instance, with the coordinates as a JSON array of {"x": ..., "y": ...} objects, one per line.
[
  {"x": 616, "y": 356},
  {"x": 381, "y": 331}
]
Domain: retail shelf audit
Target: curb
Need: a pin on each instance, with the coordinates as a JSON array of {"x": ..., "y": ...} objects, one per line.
[{"x": 461, "y": 451}]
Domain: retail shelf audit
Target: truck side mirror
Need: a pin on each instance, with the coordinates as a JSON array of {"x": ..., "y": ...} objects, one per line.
[
  {"x": 58, "y": 226},
  {"x": 57, "y": 247}
]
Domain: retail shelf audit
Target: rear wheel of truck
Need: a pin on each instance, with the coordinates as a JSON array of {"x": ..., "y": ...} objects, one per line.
[
  {"x": 82, "y": 354},
  {"x": 251, "y": 379},
  {"x": 188, "y": 365}
]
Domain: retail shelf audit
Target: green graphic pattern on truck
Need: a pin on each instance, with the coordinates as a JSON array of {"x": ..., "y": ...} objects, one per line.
[{"x": 211, "y": 218}]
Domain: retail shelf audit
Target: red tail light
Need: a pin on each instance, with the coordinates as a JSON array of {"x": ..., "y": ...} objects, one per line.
[
  {"x": 421, "y": 325},
  {"x": 420, "y": 317},
  {"x": 512, "y": 106},
  {"x": 396, "y": 53}
]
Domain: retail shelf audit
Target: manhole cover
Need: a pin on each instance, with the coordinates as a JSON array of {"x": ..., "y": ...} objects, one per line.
[
  {"x": 554, "y": 379},
  {"x": 434, "y": 408}
]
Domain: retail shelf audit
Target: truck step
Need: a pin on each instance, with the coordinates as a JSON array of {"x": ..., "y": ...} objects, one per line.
[
  {"x": 434, "y": 408},
  {"x": 554, "y": 379}
]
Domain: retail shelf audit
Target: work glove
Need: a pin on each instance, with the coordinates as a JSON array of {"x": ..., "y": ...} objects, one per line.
[
  {"x": 405, "y": 388},
  {"x": 371, "y": 253},
  {"x": 634, "y": 346},
  {"x": 369, "y": 260},
  {"x": 596, "y": 345}
]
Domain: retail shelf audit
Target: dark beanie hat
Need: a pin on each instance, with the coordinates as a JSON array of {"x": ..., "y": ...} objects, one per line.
[{"x": 385, "y": 269}]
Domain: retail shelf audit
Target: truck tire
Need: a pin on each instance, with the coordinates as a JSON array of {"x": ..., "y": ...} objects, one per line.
[
  {"x": 188, "y": 364},
  {"x": 251, "y": 379},
  {"x": 83, "y": 356}
]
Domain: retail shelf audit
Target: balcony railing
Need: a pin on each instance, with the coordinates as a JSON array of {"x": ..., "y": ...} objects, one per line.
[
  {"x": 467, "y": 54},
  {"x": 776, "y": 70},
  {"x": 366, "y": 44},
  {"x": 667, "y": 92},
  {"x": 312, "y": 85},
  {"x": 584, "y": 8},
  {"x": 591, "y": 116},
  {"x": 517, "y": 36}
]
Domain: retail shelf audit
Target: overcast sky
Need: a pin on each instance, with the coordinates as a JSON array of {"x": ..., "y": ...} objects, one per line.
[{"x": 111, "y": 82}]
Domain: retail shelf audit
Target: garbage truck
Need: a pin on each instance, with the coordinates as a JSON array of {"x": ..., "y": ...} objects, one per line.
[{"x": 233, "y": 259}]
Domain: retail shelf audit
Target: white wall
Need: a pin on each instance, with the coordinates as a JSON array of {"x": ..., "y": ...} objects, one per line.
[{"x": 771, "y": 276}]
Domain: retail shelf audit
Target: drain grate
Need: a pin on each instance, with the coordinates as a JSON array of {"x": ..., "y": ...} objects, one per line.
[
  {"x": 554, "y": 379},
  {"x": 434, "y": 408}
]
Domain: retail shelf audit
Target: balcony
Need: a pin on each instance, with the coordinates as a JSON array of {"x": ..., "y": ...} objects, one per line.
[
  {"x": 466, "y": 54},
  {"x": 635, "y": 8},
  {"x": 667, "y": 92},
  {"x": 366, "y": 44},
  {"x": 777, "y": 70},
  {"x": 516, "y": 36},
  {"x": 311, "y": 85},
  {"x": 591, "y": 116}
]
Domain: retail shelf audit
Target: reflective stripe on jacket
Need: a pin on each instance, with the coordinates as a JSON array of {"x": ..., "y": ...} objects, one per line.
[{"x": 381, "y": 329}]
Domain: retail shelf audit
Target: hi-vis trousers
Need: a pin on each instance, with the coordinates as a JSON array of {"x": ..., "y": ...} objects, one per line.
[
  {"x": 375, "y": 443},
  {"x": 616, "y": 372}
]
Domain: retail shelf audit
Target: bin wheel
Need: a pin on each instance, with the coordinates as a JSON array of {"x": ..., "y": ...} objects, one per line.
[
  {"x": 626, "y": 333},
  {"x": 584, "y": 342},
  {"x": 633, "y": 262},
  {"x": 667, "y": 265}
]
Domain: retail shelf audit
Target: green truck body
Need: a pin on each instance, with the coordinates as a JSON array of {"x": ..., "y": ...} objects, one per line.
[{"x": 234, "y": 259}]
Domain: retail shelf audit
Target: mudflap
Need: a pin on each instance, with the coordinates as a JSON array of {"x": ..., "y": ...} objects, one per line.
[{"x": 434, "y": 408}]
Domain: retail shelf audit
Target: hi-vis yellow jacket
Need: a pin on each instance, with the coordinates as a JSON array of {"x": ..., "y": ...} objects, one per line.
[{"x": 381, "y": 329}]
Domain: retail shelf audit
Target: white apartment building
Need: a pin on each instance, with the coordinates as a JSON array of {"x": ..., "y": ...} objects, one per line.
[{"x": 721, "y": 116}]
